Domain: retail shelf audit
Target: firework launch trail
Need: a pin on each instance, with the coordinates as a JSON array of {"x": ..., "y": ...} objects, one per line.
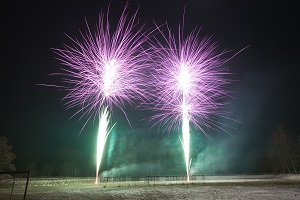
[
  {"x": 104, "y": 69},
  {"x": 188, "y": 84}
]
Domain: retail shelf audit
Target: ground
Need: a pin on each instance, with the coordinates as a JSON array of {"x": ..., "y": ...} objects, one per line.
[{"x": 216, "y": 188}]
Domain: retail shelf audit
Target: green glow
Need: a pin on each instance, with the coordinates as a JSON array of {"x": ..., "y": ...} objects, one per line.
[{"x": 103, "y": 132}]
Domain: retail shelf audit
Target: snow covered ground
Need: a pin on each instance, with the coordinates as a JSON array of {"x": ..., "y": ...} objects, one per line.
[{"x": 209, "y": 187}]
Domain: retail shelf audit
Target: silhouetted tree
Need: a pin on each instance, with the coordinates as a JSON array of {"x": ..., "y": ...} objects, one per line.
[
  {"x": 282, "y": 151},
  {"x": 297, "y": 153},
  {"x": 6, "y": 155},
  {"x": 47, "y": 169},
  {"x": 28, "y": 160},
  {"x": 71, "y": 162}
]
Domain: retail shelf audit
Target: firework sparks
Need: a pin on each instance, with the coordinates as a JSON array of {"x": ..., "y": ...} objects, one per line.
[
  {"x": 188, "y": 84},
  {"x": 104, "y": 69},
  {"x": 103, "y": 133}
]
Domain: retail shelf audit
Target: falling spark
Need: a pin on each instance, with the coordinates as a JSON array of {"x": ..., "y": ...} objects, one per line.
[{"x": 187, "y": 85}]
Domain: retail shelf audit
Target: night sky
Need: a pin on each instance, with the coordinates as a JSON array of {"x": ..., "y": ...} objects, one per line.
[{"x": 265, "y": 94}]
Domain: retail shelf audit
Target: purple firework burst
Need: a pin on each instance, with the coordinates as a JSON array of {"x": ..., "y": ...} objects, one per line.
[
  {"x": 104, "y": 68},
  {"x": 188, "y": 80}
]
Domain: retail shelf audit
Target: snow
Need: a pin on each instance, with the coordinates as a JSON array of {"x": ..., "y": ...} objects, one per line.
[{"x": 262, "y": 187}]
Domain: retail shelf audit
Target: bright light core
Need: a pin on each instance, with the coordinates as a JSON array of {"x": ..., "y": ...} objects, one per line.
[
  {"x": 184, "y": 108},
  {"x": 110, "y": 75},
  {"x": 184, "y": 79}
]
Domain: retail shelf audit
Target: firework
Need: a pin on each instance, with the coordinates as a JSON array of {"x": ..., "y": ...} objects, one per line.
[
  {"x": 188, "y": 84},
  {"x": 103, "y": 69},
  {"x": 103, "y": 133}
]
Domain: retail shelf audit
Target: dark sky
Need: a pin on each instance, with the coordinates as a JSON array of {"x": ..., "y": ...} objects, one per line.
[{"x": 266, "y": 93}]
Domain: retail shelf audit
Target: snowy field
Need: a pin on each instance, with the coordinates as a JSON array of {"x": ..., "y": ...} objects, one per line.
[{"x": 205, "y": 187}]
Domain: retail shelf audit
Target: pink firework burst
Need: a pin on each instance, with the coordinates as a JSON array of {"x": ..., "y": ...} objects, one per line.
[
  {"x": 188, "y": 80},
  {"x": 104, "y": 68}
]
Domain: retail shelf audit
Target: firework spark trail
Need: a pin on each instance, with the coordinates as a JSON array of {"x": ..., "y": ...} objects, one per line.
[
  {"x": 103, "y": 132},
  {"x": 185, "y": 141},
  {"x": 104, "y": 69},
  {"x": 187, "y": 84}
]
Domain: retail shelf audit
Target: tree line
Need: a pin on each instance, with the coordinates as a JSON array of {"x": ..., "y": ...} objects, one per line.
[
  {"x": 282, "y": 155},
  {"x": 283, "y": 152},
  {"x": 67, "y": 162}
]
